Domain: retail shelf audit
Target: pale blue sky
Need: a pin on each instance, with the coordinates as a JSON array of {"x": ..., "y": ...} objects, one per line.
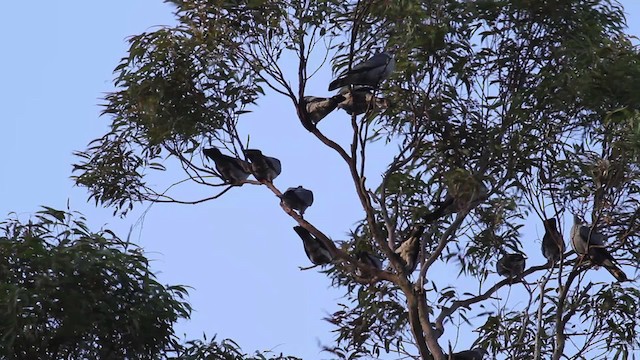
[{"x": 239, "y": 253}]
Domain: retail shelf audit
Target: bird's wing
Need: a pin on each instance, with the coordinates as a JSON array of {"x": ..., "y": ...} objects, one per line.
[
  {"x": 274, "y": 164},
  {"x": 376, "y": 61},
  {"x": 591, "y": 236},
  {"x": 306, "y": 196}
]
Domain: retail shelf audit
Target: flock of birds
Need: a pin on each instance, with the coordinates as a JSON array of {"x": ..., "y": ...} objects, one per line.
[
  {"x": 357, "y": 96},
  {"x": 586, "y": 241}
]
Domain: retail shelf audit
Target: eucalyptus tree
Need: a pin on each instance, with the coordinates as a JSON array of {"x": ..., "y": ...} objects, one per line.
[
  {"x": 502, "y": 112},
  {"x": 71, "y": 293}
]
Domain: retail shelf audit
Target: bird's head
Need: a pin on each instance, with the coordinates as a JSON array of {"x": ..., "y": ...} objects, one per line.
[
  {"x": 481, "y": 351},
  {"x": 252, "y": 153},
  {"x": 550, "y": 223},
  {"x": 212, "y": 152},
  {"x": 577, "y": 219}
]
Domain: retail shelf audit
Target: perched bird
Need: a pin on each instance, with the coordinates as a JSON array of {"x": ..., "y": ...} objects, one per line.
[
  {"x": 511, "y": 265},
  {"x": 319, "y": 107},
  {"x": 315, "y": 249},
  {"x": 587, "y": 242},
  {"x": 232, "y": 170},
  {"x": 366, "y": 258},
  {"x": 552, "y": 242},
  {"x": 371, "y": 72},
  {"x": 410, "y": 248},
  {"x": 474, "y": 354},
  {"x": 297, "y": 198},
  {"x": 264, "y": 168}
]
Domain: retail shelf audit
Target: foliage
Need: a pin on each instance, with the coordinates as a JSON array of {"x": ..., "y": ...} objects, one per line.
[
  {"x": 224, "y": 350},
  {"x": 70, "y": 293},
  {"x": 507, "y": 111}
]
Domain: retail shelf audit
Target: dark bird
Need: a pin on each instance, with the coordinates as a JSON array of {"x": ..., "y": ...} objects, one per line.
[
  {"x": 552, "y": 242},
  {"x": 474, "y": 354},
  {"x": 409, "y": 249},
  {"x": 315, "y": 249},
  {"x": 370, "y": 72},
  {"x": 587, "y": 242},
  {"x": 318, "y": 108},
  {"x": 366, "y": 258},
  {"x": 264, "y": 168},
  {"x": 297, "y": 198},
  {"x": 361, "y": 99},
  {"x": 232, "y": 170},
  {"x": 511, "y": 265}
]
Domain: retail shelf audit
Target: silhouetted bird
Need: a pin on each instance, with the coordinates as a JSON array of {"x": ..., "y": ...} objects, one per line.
[
  {"x": 366, "y": 258},
  {"x": 360, "y": 99},
  {"x": 315, "y": 249},
  {"x": 475, "y": 354},
  {"x": 318, "y": 108},
  {"x": 410, "y": 248},
  {"x": 552, "y": 242},
  {"x": 370, "y": 72},
  {"x": 297, "y": 198},
  {"x": 231, "y": 169},
  {"x": 264, "y": 168},
  {"x": 587, "y": 242},
  {"x": 511, "y": 265}
]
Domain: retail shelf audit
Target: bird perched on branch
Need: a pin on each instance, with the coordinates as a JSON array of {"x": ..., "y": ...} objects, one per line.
[
  {"x": 366, "y": 258},
  {"x": 511, "y": 265},
  {"x": 410, "y": 248},
  {"x": 370, "y": 73},
  {"x": 588, "y": 242},
  {"x": 474, "y": 354},
  {"x": 231, "y": 169},
  {"x": 315, "y": 249},
  {"x": 360, "y": 99},
  {"x": 552, "y": 242},
  {"x": 297, "y": 198},
  {"x": 264, "y": 168},
  {"x": 318, "y": 108}
]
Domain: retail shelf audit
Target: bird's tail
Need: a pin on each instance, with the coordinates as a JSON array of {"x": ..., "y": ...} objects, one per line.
[
  {"x": 615, "y": 270},
  {"x": 337, "y": 83}
]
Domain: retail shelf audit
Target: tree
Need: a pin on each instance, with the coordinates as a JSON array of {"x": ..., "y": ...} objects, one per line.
[
  {"x": 70, "y": 293},
  {"x": 502, "y": 112}
]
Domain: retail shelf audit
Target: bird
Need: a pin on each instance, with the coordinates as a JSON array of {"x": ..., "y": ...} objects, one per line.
[
  {"x": 511, "y": 265},
  {"x": 587, "y": 242},
  {"x": 264, "y": 168},
  {"x": 366, "y": 258},
  {"x": 360, "y": 99},
  {"x": 297, "y": 198},
  {"x": 552, "y": 242},
  {"x": 318, "y": 108},
  {"x": 371, "y": 72},
  {"x": 315, "y": 249},
  {"x": 409, "y": 250},
  {"x": 232, "y": 170},
  {"x": 473, "y": 354}
]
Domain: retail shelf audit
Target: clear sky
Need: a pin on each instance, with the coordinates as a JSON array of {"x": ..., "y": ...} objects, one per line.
[{"x": 238, "y": 253}]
